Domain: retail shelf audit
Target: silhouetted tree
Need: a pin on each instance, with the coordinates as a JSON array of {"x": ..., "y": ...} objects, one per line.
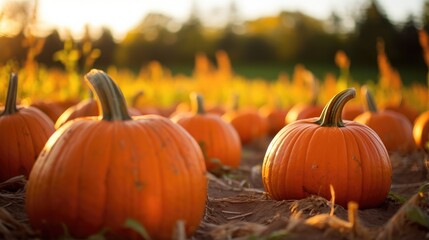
[
  {"x": 373, "y": 24},
  {"x": 412, "y": 53},
  {"x": 107, "y": 45},
  {"x": 53, "y": 43}
]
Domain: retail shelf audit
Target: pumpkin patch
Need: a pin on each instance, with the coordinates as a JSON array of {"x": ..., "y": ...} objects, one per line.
[{"x": 209, "y": 150}]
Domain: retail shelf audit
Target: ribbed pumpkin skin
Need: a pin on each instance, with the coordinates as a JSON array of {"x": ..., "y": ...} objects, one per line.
[
  {"x": 98, "y": 173},
  {"x": 24, "y": 134},
  {"x": 309, "y": 155},
  {"x": 217, "y": 138},
  {"x": 305, "y": 159},
  {"x": 394, "y": 129}
]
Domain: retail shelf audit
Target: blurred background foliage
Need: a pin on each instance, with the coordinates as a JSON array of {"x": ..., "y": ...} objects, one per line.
[{"x": 258, "y": 48}]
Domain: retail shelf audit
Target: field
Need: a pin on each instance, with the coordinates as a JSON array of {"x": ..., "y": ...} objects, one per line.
[{"x": 237, "y": 206}]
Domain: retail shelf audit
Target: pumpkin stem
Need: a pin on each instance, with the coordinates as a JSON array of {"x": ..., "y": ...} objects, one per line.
[
  {"x": 331, "y": 114},
  {"x": 111, "y": 101},
  {"x": 197, "y": 103},
  {"x": 370, "y": 102},
  {"x": 136, "y": 98},
  {"x": 10, "y": 106}
]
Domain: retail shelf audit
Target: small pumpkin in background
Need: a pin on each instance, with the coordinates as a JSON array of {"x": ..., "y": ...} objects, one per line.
[
  {"x": 50, "y": 108},
  {"x": 394, "y": 129},
  {"x": 409, "y": 112},
  {"x": 309, "y": 155},
  {"x": 217, "y": 138},
  {"x": 350, "y": 112},
  {"x": 24, "y": 132},
  {"x": 95, "y": 173},
  {"x": 276, "y": 117},
  {"x": 84, "y": 108},
  {"x": 250, "y": 125}
]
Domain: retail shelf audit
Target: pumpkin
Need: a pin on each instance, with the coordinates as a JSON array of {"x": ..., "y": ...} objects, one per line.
[
  {"x": 96, "y": 173},
  {"x": 25, "y": 130},
  {"x": 421, "y": 130},
  {"x": 394, "y": 129},
  {"x": 217, "y": 138},
  {"x": 302, "y": 111},
  {"x": 275, "y": 116},
  {"x": 250, "y": 125},
  {"x": 84, "y": 108},
  {"x": 409, "y": 112},
  {"x": 51, "y": 109},
  {"x": 309, "y": 155},
  {"x": 350, "y": 112}
]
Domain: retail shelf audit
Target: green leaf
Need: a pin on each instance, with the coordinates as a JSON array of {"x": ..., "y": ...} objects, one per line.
[
  {"x": 417, "y": 215},
  {"x": 136, "y": 226},
  {"x": 397, "y": 198}
]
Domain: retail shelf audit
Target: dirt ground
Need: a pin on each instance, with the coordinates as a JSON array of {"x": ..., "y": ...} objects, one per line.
[{"x": 238, "y": 208}]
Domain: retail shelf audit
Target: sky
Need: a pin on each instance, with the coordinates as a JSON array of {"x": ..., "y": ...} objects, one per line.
[{"x": 122, "y": 15}]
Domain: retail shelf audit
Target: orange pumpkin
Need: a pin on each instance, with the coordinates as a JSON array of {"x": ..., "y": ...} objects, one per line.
[
  {"x": 25, "y": 131},
  {"x": 84, "y": 108},
  {"x": 302, "y": 111},
  {"x": 309, "y": 155},
  {"x": 409, "y": 112},
  {"x": 394, "y": 129},
  {"x": 350, "y": 112},
  {"x": 51, "y": 109},
  {"x": 218, "y": 139},
  {"x": 98, "y": 172},
  {"x": 248, "y": 122},
  {"x": 275, "y": 116}
]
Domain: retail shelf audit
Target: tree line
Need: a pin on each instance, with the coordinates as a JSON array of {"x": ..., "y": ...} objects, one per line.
[{"x": 290, "y": 37}]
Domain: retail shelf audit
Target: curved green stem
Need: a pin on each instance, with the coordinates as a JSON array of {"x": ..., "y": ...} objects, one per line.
[
  {"x": 331, "y": 114},
  {"x": 10, "y": 106},
  {"x": 110, "y": 98},
  {"x": 197, "y": 103}
]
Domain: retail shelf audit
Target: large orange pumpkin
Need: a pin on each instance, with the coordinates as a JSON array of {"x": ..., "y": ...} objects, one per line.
[
  {"x": 217, "y": 138},
  {"x": 24, "y": 132},
  {"x": 394, "y": 129},
  {"x": 309, "y": 155},
  {"x": 98, "y": 172}
]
